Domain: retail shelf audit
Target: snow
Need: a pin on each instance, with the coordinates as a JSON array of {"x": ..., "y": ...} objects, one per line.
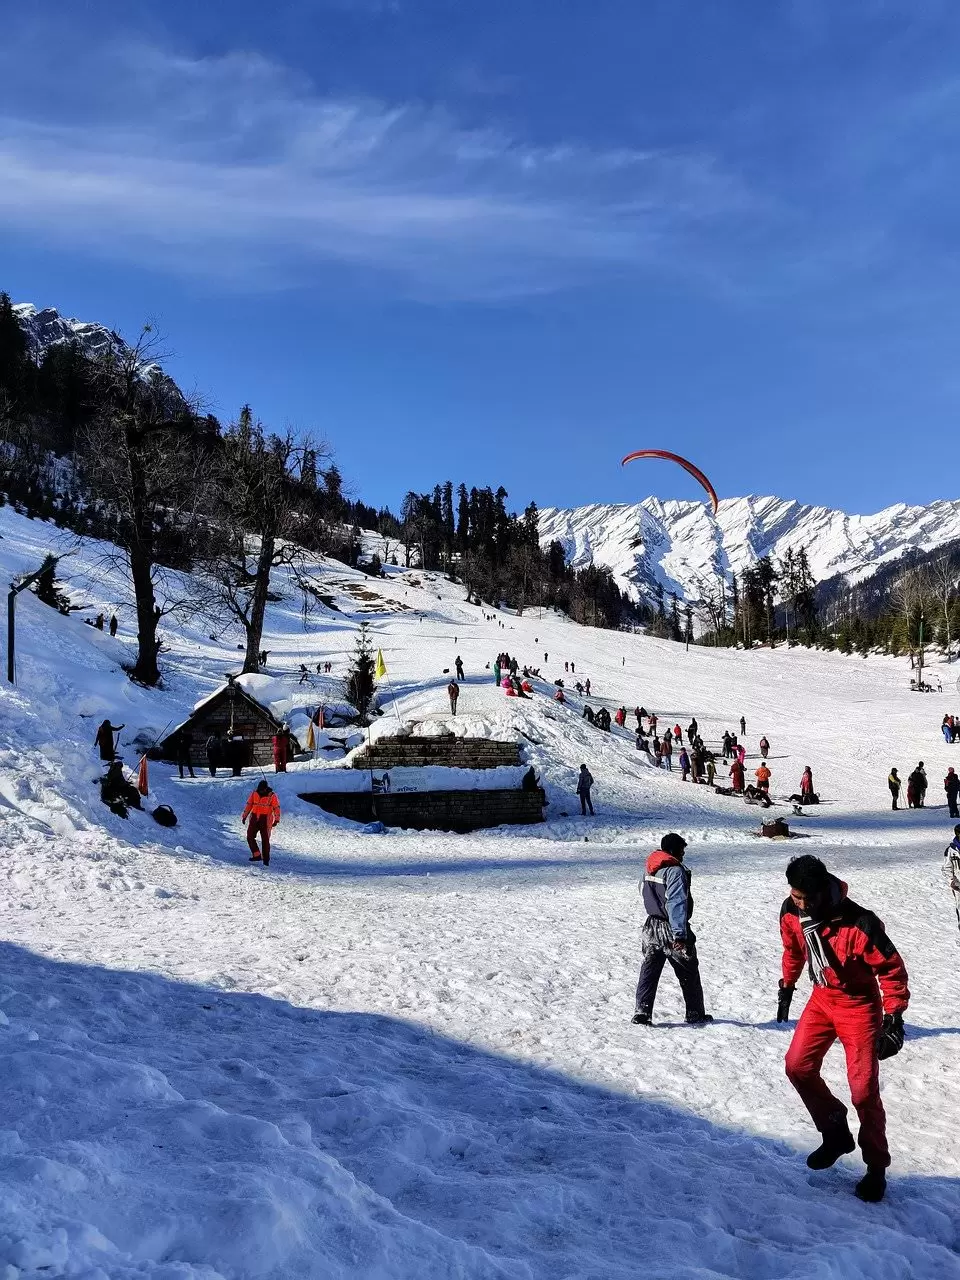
[
  {"x": 408, "y": 1054},
  {"x": 683, "y": 546}
]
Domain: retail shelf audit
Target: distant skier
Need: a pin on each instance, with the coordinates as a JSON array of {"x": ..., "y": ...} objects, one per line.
[
  {"x": 105, "y": 741},
  {"x": 453, "y": 692},
  {"x": 458, "y": 664},
  {"x": 762, "y": 775},
  {"x": 667, "y": 935},
  {"x": 98, "y": 622},
  {"x": 743, "y": 727},
  {"x": 737, "y": 777},
  {"x": 711, "y": 770},
  {"x": 741, "y": 753},
  {"x": 677, "y": 733},
  {"x": 894, "y": 782},
  {"x": 584, "y": 783},
  {"x": 951, "y": 785},
  {"x": 587, "y": 686},
  {"x": 620, "y": 716},
  {"x": 727, "y": 745},
  {"x": 692, "y": 728},
  {"x": 764, "y": 747},
  {"x": 859, "y": 996},
  {"x": 559, "y": 696},
  {"x": 263, "y": 812},
  {"x": 684, "y": 762},
  {"x": 113, "y": 624},
  {"x": 668, "y": 750},
  {"x": 496, "y": 672}
]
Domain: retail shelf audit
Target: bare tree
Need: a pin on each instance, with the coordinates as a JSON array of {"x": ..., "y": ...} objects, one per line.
[
  {"x": 146, "y": 459},
  {"x": 263, "y": 516},
  {"x": 943, "y": 589},
  {"x": 908, "y": 596}
]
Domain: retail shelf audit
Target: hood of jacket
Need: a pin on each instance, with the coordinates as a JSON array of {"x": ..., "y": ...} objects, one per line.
[{"x": 658, "y": 860}]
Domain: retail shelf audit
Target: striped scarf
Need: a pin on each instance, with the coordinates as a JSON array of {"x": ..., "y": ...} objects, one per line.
[{"x": 817, "y": 958}]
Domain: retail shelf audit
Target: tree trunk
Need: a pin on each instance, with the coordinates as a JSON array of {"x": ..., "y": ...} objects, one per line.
[
  {"x": 147, "y": 669},
  {"x": 258, "y": 605}
]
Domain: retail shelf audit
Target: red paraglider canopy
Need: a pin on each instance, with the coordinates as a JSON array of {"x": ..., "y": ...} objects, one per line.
[{"x": 683, "y": 462}]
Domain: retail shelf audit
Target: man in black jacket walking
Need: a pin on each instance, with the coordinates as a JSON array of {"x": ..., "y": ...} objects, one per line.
[{"x": 667, "y": 935}]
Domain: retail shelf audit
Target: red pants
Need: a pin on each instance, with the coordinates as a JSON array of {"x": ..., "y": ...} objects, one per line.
[
  {"x": 854, "y": 1021},
  {"x": 259, "y": 826}
]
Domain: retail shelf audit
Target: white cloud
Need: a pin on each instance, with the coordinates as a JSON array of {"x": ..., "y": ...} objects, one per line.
[{"x": 237, "y": 168}]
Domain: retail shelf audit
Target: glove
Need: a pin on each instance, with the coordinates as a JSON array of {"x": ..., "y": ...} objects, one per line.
[
  {"x": 783, "y": 1001},
  {"x": 890, "y": 1040},
  {"x": 680, "y": 948}
]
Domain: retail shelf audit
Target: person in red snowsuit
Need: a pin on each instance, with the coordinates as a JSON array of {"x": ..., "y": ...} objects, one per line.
[
  {"x": 736, "y": 776},
  {"x": 859, "y": 996},
  {"x": 281, "y": 750}
]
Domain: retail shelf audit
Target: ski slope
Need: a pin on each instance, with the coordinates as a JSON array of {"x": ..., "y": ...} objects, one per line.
[{"x": 400, "y": 1054}]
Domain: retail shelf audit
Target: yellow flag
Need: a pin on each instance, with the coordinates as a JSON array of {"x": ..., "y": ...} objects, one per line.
[
  {"x": 380, "y": 670},
  {"x": 311, "y": 739}
]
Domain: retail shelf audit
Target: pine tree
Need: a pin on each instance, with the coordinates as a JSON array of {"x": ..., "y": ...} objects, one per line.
[{"x": 361, "y": 682}]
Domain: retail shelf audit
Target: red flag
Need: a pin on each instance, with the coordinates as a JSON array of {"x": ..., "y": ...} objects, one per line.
[{"x": 142, "y": 785}]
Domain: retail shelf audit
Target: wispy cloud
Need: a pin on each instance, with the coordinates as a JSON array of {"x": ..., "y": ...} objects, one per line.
[{"x": 235, "y": 167}]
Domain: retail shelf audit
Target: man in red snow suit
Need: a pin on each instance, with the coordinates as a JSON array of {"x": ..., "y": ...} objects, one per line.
[
  {"x": 263, "y": 811},
  {"x": 281, "y": 749},
  {"x": 859, "y": 997}
]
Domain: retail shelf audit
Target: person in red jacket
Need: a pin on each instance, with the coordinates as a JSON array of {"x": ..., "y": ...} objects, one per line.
[
  {"x": 736, "y": 776},
  {"x": 281, "y": 749},
  {"x": 859, "y": 996},
  {"x": 263, "y": 811}
]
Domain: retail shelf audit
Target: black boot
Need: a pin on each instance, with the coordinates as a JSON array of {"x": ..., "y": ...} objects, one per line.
[
  {"x": 642, "y": 1019},
  {"x": 872, "y": 1185},
  {"x": 837, "y": 1141},
  {"x": 698, "y": 1019}
]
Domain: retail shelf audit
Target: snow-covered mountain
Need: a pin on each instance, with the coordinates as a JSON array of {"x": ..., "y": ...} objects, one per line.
[
  {"x": 683, "y": 546},
  {"x": 48, "y": 328}
]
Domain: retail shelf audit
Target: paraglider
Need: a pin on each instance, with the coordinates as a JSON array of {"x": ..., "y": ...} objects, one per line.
[{"x": 683, "y": 462}]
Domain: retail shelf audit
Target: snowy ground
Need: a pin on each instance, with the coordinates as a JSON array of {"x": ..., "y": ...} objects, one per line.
[{"x": 409, "y": 1054}]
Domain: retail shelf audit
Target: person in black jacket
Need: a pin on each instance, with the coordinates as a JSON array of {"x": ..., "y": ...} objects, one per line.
[
  {"x": 584, "y": 783},
  {"x": 951, "y": 785},
  {"x": 667, "y": 935}
]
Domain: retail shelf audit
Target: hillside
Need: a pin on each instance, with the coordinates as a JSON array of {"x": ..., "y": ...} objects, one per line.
[
  {"x": 683, "y": 546},
  {"x": 400, "y": 1054}
]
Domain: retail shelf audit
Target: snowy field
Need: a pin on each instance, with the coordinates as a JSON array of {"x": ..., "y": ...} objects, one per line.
[{"x": 399, "y": 1054}]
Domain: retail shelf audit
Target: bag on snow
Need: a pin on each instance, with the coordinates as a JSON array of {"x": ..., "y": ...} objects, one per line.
[{"x": 164, "y": 815}]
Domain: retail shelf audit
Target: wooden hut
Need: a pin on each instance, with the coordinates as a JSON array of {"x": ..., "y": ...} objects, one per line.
[{"x": 234, "y": 714}]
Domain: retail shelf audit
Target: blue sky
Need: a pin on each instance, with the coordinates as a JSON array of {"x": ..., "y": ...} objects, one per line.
[{"x": 508, "y": 241}]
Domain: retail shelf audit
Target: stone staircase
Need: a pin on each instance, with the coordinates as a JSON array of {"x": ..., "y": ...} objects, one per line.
[{"x": 447, "y": 751}]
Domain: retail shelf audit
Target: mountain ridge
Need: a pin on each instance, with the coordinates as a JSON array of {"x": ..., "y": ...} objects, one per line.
[{"x": 683, "y": 547}]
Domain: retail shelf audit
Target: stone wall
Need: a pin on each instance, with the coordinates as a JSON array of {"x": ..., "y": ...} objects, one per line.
[
  {"x": 450, "y": 752},
  {"x": 434, "y": 810}
]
